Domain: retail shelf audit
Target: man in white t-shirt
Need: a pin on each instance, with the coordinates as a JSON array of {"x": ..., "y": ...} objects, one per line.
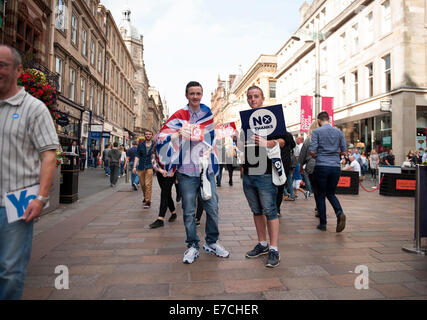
[
  {"x": 299, "y": 141},
  {"x": 354, "y": 165}
]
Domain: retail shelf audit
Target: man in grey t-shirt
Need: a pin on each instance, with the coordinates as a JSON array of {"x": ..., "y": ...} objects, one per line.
[
  {"x": 114, "y": 163},
  {"x": 28, "y": 143}
]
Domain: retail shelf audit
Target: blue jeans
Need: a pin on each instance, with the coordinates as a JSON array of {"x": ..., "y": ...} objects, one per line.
[
  {"x": 219, "y": 176},
  {"x": 16, "y": 241},
  {"x": 289, "y": 185},
  {"x": 326, "y": 180},
  {"x": 106, "y": 167},
  {"x": 122, "y": 167},
  {"x": 307, "y": 182},
  {"x": 189, "y": 188},
  {"x": 134, "y": 179},
  {"x": 261, "y": 194}
]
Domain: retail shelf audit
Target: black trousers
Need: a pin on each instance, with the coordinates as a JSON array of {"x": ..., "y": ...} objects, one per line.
[
  {"x": 314, "y": 187},
  {"x": 166, "y": 200},
  {"x": 114, "y": 173},
  {"x": 230, "y": 172},
  {"x": 82, "y": 164}
]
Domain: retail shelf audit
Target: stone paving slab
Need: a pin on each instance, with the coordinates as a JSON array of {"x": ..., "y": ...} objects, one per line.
[{"x": 111, "y": 253}]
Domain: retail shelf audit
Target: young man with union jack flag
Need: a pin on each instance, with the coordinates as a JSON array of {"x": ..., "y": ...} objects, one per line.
[{"x": 187, "y": 137}]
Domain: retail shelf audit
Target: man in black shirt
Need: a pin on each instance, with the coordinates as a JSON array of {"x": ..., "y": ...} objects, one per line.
[
  {"x": 259, "y": 189},
  {"x": 389, "y": 159}
]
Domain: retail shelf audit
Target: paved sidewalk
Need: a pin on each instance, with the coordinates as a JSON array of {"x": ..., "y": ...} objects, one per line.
[{"x": 112, "y": 254}]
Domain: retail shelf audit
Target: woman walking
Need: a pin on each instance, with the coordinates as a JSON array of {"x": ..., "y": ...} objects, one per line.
[
  {"x": 166, "y": 182},
  {"x": 374, "y": 161}
]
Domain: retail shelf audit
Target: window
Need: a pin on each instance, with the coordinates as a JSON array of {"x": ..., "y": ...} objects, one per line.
[
  {"x": 117, "y": 80},
  {"x": 356, "y": 85},
  {"x": 386, "y": 15},
  {"x": 369, "y": 28},
  {"x": 112, "y": 75},
  {"x": 83, "y": 91},
  {"x": 111, "y": 109},
  {"x": 91, "y": 98},
  {"x": 107, "y": 70},
  {"x": 355, "y": 30},
  {"x": 99, "y": 59},
  {"x": 72, "y": 84},
  {"x": 342, "y": 47},
  {"x": 58, "y": 70},
  {"x": 272, "y": 89},
  {"x": 60, "y": 20},
  {"x": 342, "y": 91},
  {"x": 370, "y": 79},
  {"x": 74, "y": 22},
  {"x": 92, "y": 52},
  {"x": 84, "y": 42},
  {"x": 98, "y": 102},
  {"x": 387, "y": 73}
]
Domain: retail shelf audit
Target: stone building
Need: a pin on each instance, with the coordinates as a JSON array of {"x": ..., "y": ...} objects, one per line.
[
  {"x": 134, "y": 43},
  {"x": 373, "y": 62},
  {"x": 155, "y": 116}
]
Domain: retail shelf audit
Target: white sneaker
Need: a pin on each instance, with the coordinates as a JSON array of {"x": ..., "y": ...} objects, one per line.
[
  {"x": 217, "y": 249},
  {"x": 190, "y": 255}
]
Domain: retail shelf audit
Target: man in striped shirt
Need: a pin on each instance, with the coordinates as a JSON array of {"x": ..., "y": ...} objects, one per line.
[{"x": 27, "y": 135}]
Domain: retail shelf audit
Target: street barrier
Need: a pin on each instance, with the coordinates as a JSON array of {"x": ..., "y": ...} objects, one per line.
[
  {"x": 420, "y": 212},
  {"x": 398, "y": 185},
  {"x": 348, "y": 183}
]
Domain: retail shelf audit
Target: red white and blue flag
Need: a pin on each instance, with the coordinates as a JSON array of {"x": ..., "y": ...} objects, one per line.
[{"x": 170, "y": 152}]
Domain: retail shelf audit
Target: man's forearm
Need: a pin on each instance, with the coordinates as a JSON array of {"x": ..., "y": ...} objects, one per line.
[{"x": 47, "y": 171}]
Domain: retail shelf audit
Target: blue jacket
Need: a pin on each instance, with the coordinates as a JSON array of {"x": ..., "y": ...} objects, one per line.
[{"x": 144, "y": 156}]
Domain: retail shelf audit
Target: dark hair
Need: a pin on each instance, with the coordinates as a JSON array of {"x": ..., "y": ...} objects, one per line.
[
  {"x": 192, "y": 84},
  {"x": 257, "y": 88},
  {"x": 323, "y": 116},
  {"x": 134, "y": 143},
  {"x": 115, "y": 144}
]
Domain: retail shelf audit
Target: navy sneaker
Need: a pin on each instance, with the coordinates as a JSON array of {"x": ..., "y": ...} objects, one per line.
[
  {"x": 259, "y": 250},
  {"x": 273, "y": 259}
]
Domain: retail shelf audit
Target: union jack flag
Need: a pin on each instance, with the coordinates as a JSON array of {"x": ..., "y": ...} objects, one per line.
[{"x": 170, "y": 151}]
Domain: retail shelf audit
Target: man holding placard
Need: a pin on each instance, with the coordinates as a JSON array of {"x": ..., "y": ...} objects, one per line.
[
  {"x": 260, "y": 129},
  {"x": 27, "y": 134}
]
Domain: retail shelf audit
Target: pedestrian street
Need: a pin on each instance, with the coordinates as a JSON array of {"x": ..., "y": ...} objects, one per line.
[{"x": 110, "y": 253}]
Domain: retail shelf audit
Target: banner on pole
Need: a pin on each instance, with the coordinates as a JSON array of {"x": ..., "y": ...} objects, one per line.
[
  {"x": 306, "y": 113},
  {"x": 328, "y": 106},
  {"x": 225, "y": 130}
]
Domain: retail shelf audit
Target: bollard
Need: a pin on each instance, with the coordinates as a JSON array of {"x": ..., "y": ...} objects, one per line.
[{"x": 420, "y": 189}]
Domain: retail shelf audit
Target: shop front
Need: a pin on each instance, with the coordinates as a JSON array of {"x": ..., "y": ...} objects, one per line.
[
  {"x": 95, "y": 138},
  {"x": 68, "y": 125},
  {"x": 369, "y": 133},
  {"x": 421, "y": 143}
]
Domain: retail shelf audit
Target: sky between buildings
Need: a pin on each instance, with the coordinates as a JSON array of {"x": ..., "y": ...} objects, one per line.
[{"x": 187, "y": 40}]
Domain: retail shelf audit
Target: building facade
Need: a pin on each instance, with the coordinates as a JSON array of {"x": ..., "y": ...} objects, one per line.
[
  {"x": 372, "y": 62},
  {"x": 156, "y": 115}
]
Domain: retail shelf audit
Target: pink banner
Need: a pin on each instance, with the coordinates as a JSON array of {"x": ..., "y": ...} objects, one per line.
[
  {"x": 225, "y": 130},
  {"x": 306, "y": 113},
  {"x": 328, "y": 106}
]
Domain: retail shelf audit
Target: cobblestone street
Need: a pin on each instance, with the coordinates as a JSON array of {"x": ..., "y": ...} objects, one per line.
[{"x": 112, "y": 254}]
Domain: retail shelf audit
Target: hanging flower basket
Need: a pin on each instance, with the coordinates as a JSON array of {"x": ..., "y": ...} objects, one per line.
[{"x": 35, "y": 83}]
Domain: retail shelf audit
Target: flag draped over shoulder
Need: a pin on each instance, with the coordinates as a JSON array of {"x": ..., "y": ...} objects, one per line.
[{"x": 170, "y": 150}]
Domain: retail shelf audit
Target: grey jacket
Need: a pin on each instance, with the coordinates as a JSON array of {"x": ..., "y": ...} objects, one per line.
[
  {"x": 114, "y": 156},
  {"x": 305, "y": 158}
]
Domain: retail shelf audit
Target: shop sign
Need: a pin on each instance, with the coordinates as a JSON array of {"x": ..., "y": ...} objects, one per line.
[
  {"x": 106, "y": 135},
  {"x": 96, "y": 128},
  {"x": 405, "y": 184},
  {"x": 344, "y": 182},
  {"x": 385, "y": 105},
  {"x": 306, "y": 113},
  {"x": 63, "y": 120},
  {"x": 386, "y": 141}
]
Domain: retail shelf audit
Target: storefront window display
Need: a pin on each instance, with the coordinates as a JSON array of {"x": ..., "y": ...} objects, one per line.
[
  {"x": 371, "y": 133},
  {"x": 68, "y": 129},
  {"x": 421, "y": 137}
]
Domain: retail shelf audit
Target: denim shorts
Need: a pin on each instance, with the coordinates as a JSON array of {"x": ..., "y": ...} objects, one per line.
[{"x": 261, "y": 194}]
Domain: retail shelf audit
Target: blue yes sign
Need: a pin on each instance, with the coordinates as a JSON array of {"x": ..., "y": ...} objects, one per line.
[
  {"x": 17, "y": 202},
  {"x": 265, "y": 122}
]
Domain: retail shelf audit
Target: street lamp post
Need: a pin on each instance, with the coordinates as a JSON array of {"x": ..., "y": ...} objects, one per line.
[{"x": 315, "y": 37}]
